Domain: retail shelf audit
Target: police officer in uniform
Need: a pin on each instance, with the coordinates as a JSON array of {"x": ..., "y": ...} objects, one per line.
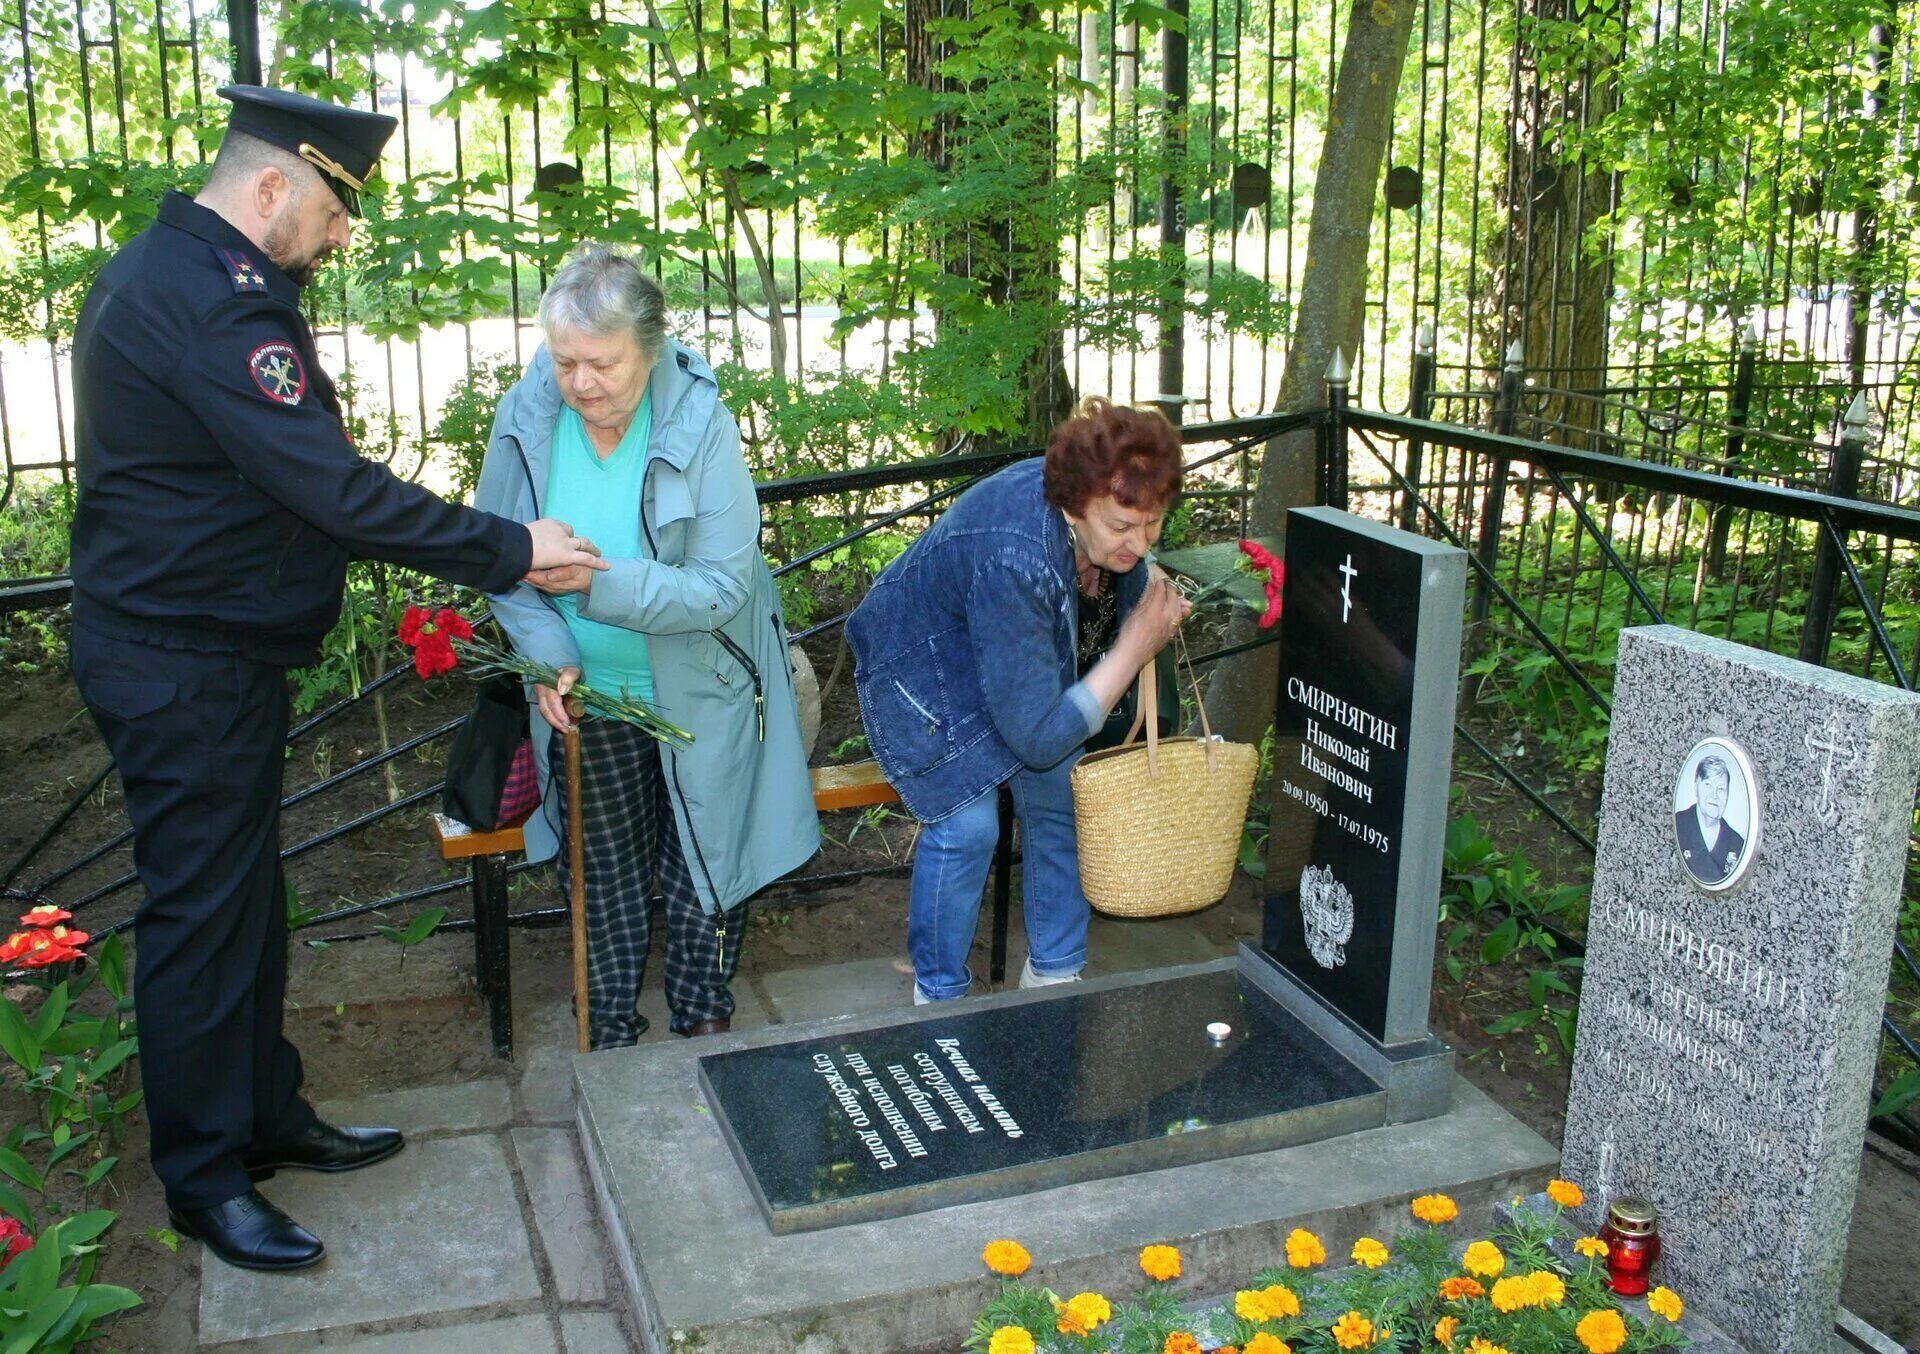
[{"x": 219, "y": 502}]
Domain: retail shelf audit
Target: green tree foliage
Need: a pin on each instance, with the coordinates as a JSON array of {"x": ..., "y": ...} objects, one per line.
[{"x": 1771, "y": 125}]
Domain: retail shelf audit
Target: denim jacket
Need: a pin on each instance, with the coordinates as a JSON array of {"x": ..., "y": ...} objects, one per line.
[{"x": 965, "y": 648}]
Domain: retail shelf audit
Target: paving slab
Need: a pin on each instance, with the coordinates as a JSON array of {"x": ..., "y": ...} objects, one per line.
[
  {"x": 594, "y": 1333},
  {"x": 545, "y": 1092},
  {"x": 1116, "y": 945},
  {"x": 465, "y": 1107},
  {"x": 563, "y": 1212},
  {"x": 436, "y": 1229},
  {"x": 703, "y": 1270},
  {"x": 519, "y": 1334},
  {"x": 507, "y": 1335},
  {"x": 798, "y": 995}
]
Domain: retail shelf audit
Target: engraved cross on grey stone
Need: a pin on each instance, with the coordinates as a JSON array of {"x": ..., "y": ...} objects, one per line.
[{"x": 1826, "y": 809}]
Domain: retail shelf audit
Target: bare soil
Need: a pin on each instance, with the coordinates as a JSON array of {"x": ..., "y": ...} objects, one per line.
[{"x": 381, "y": 1025}]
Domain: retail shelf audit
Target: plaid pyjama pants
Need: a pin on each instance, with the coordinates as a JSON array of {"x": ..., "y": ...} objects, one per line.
[{"x": 630, "y": 841}]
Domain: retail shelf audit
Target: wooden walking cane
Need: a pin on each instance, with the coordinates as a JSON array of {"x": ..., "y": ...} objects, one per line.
[{"x": 576, "y": 869}]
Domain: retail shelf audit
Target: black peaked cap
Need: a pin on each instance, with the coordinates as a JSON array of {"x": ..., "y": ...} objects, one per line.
[{"x": 344, "y": 144}]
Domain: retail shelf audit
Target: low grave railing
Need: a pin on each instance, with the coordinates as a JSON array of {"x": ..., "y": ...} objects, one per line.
[{"x": 1557, "y": 537}]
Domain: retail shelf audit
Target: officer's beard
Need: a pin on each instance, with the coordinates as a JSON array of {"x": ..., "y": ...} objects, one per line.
[{"x": 280, "y": 248}]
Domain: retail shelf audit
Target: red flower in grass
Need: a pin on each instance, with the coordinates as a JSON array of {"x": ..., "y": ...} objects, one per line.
[
  {"x": 1263, "y": 561},
  {"x": 16, "y": 1239},
  {"x": 430, "y": 634},
  {"x": 45, "y": 915},
  {"x": 38, "y": 949}
]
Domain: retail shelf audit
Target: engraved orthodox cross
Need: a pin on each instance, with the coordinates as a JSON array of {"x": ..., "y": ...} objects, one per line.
[{"x": 1827, "y": 811}]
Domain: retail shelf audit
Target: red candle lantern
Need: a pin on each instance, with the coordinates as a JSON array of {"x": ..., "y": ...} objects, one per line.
[{"x": 1633, "y": 1245}]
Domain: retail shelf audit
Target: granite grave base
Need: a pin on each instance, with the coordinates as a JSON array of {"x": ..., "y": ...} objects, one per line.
[
  {"x": 978, "y": 1101},
  {"x": 703, "y": 1268}
]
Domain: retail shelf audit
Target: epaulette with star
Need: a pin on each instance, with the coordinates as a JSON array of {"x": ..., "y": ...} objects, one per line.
[{"x": 244, "y": 273}]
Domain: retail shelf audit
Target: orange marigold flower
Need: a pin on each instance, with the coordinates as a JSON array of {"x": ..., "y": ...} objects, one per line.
[
  {"x": 1484, "y": 1259},
  {"x": 1512, "y": 1293},
  {"x": 1457, "y": 1287},
  {"x": 1484, "y": 1346},
  {"x": 1271, "y": 1303},
  {"x": 1304, "y": 1250},
  {"x": 1591, "y": 1245},
  {"x": 1011, "y": 1340},
  {"x": 1444, "y": 1328},
  {"x": 1006, "y": 1257},
  {"x": 1434, "y": 1208},
  {"x": 1160, "y": 1263},
  {"x": 1179, "y": 1342},
  {"x": 1565, "y": 1193},
  {"x": 1266, "y": 1344},
  {"x": 1602, "y": 1332},
  {"x": 1368, "y": 1252},
  {"x": 1353, "y": 1331},
  {"x": 1546, "y": 1289},
  {"x": 1281, "y": 1301},
  {"x": 1082, "y": 1313},
  {"x": 1665, "y": 1302}
]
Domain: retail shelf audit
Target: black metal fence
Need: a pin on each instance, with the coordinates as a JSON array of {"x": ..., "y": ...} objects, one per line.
[{"x": 1475, "y": 239}]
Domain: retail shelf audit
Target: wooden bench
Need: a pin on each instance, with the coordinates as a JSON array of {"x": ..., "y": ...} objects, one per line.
[{"x": 855, "y": 786}]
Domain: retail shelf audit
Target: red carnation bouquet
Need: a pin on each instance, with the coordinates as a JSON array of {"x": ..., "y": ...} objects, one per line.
[
  {"x": 441, "y": 639},
  {"x": 1254, "y": 560}
]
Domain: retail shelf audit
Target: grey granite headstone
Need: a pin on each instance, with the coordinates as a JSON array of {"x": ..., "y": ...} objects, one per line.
[
  {"x": 1733, "y": 987},
  {"x": 1363, "y": 745}
]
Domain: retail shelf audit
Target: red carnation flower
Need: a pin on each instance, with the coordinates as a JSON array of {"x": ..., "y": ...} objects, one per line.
[
  {"x": 16, "y": 1239},
  {"x": 1261, "y": 560},
  {"x": 433, "y": 655},
  {"x": 413, "y": 623},
  {"x": 430, "y": 634}
]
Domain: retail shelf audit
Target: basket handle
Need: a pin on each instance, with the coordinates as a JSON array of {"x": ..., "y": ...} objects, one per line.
[{"x": 1148, "y": 698}]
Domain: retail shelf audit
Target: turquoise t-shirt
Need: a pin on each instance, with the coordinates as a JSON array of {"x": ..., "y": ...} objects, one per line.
[{"x": 599, "y": 497}]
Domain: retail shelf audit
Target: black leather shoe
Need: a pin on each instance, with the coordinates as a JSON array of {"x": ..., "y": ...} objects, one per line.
[
  {"x": 251, "y": 1233},
  {"x": 716, "y": 1026},
  {"x": 323, "y": 1148}
]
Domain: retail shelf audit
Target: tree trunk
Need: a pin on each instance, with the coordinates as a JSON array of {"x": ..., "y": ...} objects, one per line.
[
  {"x": 1018, "y": 258},
  {"x": 1328, "y": 315},
  {"x": 1554, "y": 289}
]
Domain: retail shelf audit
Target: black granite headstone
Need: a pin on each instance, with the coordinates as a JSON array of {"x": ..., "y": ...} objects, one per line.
[
  {"x": 1001, "y": 1100},
  {"x": 1363, "y": 732}
]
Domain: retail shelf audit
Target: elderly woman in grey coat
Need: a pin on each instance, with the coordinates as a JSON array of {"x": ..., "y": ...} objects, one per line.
[{"x": 624, "y": 428}]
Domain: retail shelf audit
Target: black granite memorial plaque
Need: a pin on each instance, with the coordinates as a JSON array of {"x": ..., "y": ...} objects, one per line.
[
  {"x": 1004, "y": 1100},
  {"x": 1362, "y": 737}
]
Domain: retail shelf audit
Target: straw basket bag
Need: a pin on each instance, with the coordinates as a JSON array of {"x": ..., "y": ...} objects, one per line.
[{"x": 1160, "y": 824}]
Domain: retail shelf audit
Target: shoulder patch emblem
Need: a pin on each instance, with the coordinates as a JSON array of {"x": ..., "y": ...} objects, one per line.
[
  {"x": 242, "y": 271},
  {"x": 276, "y": 369}
]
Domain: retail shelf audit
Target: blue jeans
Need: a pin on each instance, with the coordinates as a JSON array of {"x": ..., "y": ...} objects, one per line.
[{"x": 950, "y": 872}]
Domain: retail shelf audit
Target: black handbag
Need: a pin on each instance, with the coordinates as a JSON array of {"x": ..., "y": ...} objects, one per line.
[{"x": 481, "y": 760}]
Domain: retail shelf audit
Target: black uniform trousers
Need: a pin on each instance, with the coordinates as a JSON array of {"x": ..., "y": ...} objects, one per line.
[{"x": 199, "y": 739}]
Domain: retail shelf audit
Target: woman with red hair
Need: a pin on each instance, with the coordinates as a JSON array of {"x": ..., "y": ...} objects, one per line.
[{"x": 992, "y": 650}]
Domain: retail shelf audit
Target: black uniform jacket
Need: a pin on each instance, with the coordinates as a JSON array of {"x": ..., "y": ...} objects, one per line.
[{"x": 220, "y": 497}]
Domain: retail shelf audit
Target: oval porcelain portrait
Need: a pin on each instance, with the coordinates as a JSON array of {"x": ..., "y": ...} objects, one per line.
[{"x": 1716, "y": 813}]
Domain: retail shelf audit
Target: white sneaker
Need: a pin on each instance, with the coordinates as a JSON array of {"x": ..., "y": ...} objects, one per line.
[
  {"x": 1028, "y": 978},
  {"x": 921, "y": 998}
]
